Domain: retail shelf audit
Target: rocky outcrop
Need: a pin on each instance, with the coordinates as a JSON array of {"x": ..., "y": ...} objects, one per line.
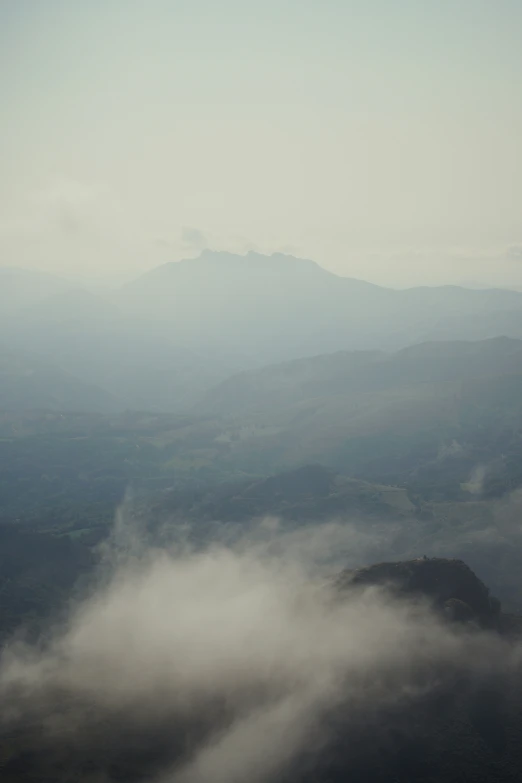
[{"x": 448, "y": 584}]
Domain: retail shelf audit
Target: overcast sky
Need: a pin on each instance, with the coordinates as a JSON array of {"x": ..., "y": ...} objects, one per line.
[{"x": 379, "y": 137}]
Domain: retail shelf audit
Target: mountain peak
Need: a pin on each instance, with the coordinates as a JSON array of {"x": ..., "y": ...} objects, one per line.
[
  {"x": 448, "y": 583},
  {"x": 253, "y": 259}
]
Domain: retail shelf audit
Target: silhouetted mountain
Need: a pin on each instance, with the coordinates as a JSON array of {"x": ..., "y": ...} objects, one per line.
[
  {"x": 163, "y": 340},
  {"x": 277, "y": 307}
]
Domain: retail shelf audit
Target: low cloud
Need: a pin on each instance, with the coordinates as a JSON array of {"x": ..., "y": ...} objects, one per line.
[{"x": 234, "y": 653}]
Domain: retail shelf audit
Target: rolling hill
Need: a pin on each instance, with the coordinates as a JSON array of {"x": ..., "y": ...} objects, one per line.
[
  {"x": 363, "y": 372},
  {"x": 423, "y": 411}
]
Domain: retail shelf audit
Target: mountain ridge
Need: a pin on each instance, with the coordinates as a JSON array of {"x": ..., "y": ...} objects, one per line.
[
  {"x": 280, "y": 307},
  {"x": 270, "y": 262},
  {"x": 295, "y": 378},
  {"x": 162, "y": 341}
]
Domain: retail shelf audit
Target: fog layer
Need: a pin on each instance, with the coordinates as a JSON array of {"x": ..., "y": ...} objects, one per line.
[{"x": 236, "y": 654}]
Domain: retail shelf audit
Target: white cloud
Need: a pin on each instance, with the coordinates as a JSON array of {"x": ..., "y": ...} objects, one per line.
[{"x": 243, "y": 642}]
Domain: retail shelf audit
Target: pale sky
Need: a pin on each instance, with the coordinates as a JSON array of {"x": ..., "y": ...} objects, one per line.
[{"x": 381, "y": 138}]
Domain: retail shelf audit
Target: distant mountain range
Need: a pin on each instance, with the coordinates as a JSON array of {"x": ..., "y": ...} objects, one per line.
[
  {"x": 281, "y": 307},
  {"x": 427, "y": 416},
  {"x": 350, "y": 373},
  {"x": 301, "y": 410},
  {"x": 161, "y": 341}
]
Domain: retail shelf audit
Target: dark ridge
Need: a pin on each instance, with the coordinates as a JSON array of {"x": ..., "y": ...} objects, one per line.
[{"x": 449, "y": 584}]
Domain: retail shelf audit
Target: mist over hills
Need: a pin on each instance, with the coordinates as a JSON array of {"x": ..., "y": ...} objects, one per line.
[
  {"x": 163, "y": 340},
  {"x": 252, "y": 300},
  {"x": 139, "y": 363},
  {"x": 197, "y": 472},
  {"x": 429, "y": 415},
  {"x": 261, "y": 429},
  {"x": 348, "y": 373},
  {"x": 23, "y": 288},
  {"x": 249, "y": 300},
  {"x": 27, "y": 382}
]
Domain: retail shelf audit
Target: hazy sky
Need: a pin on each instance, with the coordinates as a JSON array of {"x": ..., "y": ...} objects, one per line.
[{"x": 379, "y": 137}]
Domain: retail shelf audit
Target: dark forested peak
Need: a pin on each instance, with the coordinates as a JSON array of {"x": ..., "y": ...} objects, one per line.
[{"x": 449, "y": 583}]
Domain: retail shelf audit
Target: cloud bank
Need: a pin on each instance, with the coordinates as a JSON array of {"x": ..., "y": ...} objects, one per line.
[{"x": 227, "y": 662}]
